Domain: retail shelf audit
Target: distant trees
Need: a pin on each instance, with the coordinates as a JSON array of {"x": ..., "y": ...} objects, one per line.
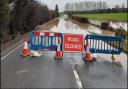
[
  {"x": 123, "y": 6},
  {"x": 92, "y": 7},
  {"x": 56, "y": 10},
  {"x": 117, "y": 7},
  {"x": 85, "y": 6}
]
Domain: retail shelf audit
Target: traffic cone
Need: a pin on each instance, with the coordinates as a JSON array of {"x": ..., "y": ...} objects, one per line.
[
  {"x": 58, "y": 54},
  {"x": 25, "y": 51},
  {"x": 87, "y": 57}
]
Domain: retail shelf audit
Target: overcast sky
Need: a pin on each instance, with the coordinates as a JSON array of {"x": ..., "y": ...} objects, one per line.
[{"x": 61, "y": 3}]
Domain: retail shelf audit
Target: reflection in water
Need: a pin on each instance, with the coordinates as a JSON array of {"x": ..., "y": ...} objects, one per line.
[
  {"x": 66, "y": 26},
  {"x": 117, "y": 25},
  {"x": 94, "y": 29}
]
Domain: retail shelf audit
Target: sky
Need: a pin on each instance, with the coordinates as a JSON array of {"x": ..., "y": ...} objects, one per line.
[{"x": 61, "y": 3}]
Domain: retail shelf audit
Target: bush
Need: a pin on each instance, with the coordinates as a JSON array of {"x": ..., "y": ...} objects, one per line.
[
  {"x": 104, "y": 25},
  {"x": 81, "y": 19},
  {"x": 121, "y": 32}
]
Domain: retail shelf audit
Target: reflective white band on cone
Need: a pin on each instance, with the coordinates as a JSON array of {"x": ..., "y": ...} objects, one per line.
[
  {"x": 25, "y": 45},
  {"x": 58, "y": 47}
]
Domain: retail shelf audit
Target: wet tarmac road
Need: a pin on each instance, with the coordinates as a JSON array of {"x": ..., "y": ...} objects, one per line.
[
  {"x": 102, "y": 75},
  {"x": 45, "y": 72},
  {"x": 41, "y": 72}
]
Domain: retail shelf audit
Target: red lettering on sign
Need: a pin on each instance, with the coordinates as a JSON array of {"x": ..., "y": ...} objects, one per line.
[{"x": 73, "y": 43}]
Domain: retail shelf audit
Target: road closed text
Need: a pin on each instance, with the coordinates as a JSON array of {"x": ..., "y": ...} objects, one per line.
[{"x": 73, "y": 43}]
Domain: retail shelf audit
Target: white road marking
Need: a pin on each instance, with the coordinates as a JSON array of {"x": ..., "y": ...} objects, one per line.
[
  {"x": 77, "y": 79},
  {"x": 22, "y": 71},
  {"x": 10, "y": 52}
]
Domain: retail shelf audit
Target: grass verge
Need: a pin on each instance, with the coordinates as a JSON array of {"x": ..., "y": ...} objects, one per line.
[{"x": 105, "y": 16}]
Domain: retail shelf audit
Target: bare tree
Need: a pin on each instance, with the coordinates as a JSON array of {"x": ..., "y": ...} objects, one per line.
[
  {"x": 85, "y": 6},
  {"x": 117, "y": 6},
  {"x": 123, "y": 6},
  {"x": 67, "y": 7}
]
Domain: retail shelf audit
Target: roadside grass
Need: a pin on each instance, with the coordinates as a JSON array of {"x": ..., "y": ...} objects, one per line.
[
  {"x": 105, "y": 16},
  {"x": 125, "y": 47}
]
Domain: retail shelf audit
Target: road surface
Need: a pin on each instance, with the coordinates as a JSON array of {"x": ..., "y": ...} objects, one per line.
[
  {"x": 71, "y": 72},
  {"x": 45, "y": 72}
]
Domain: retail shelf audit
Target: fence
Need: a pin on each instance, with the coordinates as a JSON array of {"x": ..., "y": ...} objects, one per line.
[
  {"x": 104, "y": 44},
  {"x": 97, "y": 43},
  {"x": 45, "y": 40}
]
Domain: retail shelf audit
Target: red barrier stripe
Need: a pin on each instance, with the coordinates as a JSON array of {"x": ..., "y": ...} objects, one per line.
[
  {"x": 56, "y": 34},
  {"x": 37, "y": 33},
  {"x": 46, "y": 33}
]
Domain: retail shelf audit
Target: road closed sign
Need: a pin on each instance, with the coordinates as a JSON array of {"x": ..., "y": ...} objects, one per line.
[{"x": 73, "y": 43}]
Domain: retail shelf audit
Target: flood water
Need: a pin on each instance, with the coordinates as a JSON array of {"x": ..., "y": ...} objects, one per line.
[
  {"x": 113, "y": 24},
  {"x": 69, "y": 26}
]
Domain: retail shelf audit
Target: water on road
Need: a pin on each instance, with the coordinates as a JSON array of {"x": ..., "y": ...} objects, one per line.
[
  {"x": 74, "y": 27},
  {"x": 46, "y": 72}
]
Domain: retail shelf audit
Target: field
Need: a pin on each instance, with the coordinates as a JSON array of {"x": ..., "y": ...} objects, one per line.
[{"x": 105, "y": 16}]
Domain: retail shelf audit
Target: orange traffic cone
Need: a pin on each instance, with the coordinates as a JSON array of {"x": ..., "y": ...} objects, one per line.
[
  {"x": 58, "y": 54},
  {"x": 87, "y": 57},
  {"x": 25, "y": 51}
]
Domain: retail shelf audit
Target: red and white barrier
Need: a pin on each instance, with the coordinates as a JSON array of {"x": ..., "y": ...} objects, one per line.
[
  {"x": 46, "y": 34},
  {"x": 58, "y": 54}
]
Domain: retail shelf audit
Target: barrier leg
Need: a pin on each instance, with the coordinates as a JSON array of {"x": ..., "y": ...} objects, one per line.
[{"x": 113, "y": 58}]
